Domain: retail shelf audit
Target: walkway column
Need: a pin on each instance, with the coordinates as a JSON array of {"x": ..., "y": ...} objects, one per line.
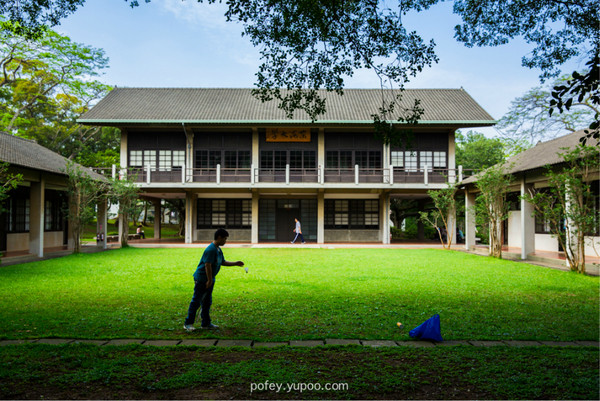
[
  {"x": 157, "y": 218},
  {"x": 321, "y": 218},
  {"x": 254, "y": 217},
  {"x": 321, "y": 148},
  {"x": 101, "y": 222},
  {"x": 469, "y": 220},
  {"x": 385, "y": 217},
  {"x": 189, "y": 217},
  {"x": 527, "y": 222},
  {"x": 420, "y": 224},
  {"x": 123, "y": 154},
  {"x": 452, "y": 224},
  {"x": 36, "y": 218},
  {"x": 189, "y": 154},
  {"x": 255, "y": 151}
]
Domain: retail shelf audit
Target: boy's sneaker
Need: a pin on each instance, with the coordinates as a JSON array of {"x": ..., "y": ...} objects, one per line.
[
  {"x": 210, "y": 327},
  {"x": 189, "y": 327}
]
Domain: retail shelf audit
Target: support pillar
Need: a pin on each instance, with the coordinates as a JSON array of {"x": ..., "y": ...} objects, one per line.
[
  {"x": 321, "y": 218},
  {"x": 101, "y": 223},
  {"x": 36, "y": 218},
  {"x": 157, "y": 218},
  {"x": 189, "y": 217},
  {"x": 469, "y": 221},
  {"x": 385, "y": 217},
  {"x": 452, "y": 225},
  {"x": 254, "y": 232},
  {"x": 527, "y": 222},
  {"x": 124, "y": 154},
  {"x": 420, "y": 225}
]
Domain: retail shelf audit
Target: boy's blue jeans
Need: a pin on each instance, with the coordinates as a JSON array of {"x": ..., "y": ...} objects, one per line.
[{"x": 202, "y": 299}]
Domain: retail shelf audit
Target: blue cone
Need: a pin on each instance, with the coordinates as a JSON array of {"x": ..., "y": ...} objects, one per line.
[{"x": 428, "y": 330}]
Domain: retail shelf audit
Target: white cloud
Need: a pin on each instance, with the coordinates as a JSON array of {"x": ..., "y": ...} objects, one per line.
[{"x": 201, "y": 14}]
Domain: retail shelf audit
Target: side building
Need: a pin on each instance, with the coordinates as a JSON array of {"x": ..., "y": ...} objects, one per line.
[
  {"x": 241, "y": 164},
  {"x": 33, "y": 219}
]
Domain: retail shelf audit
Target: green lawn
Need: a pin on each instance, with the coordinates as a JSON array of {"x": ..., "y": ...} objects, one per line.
[
  {"x": 297, "y": 294},
  {"x": 167, "y": 230},
  {"x": 38, "y": 371}
]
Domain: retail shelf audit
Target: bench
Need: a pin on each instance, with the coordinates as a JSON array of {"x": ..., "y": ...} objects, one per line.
[{"x": 115, "y": 238}]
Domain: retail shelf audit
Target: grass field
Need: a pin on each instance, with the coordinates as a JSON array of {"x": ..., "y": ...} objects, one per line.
[
  {"x": 297, "y": 294},
  {"x": 141, "y": 372}
]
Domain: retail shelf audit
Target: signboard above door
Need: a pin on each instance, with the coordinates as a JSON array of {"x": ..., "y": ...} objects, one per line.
[{"x": 288, "y": 134}]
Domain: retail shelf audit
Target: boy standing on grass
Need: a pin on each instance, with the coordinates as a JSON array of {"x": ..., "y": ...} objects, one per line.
[{"x": 204, "y": 279}]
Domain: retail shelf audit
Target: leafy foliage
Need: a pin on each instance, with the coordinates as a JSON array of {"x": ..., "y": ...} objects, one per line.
[
  {"x": 530, "y": 118},
  {"x": 444, "y": 201},
  {"x": 8, "y": 182},
  {"x": 581, "y": 88},
  {"x": 568, "y": 202},
  {"x": 46, "y": 83},
  {"x": 124, "y": 192},
  {"x": 491, "y": 206},
  {"x": 474, "y": 151}
]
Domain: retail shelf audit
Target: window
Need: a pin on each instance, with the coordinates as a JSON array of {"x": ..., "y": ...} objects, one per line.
[
  {"x": 426, "y": 160},
  {"x": 164, "y": 160},
  {"x": 280, "y": 159},
  {"x": 150, "y": 158},
  {"x": 410, "y": 161},
  {"x": 136, "y": 158},
  {"x": 351, "y": 214},
  {"x": 332, "y": 159},
  {"x": 296, "y": 159},
  {"x": 346, "y": 159},
  {"x": 17, "y": 211},
  {"x": 218, "y": 213},
  {"x": 224, "y": 213},
  {"x": 361, "y": 157},
  {"x": 244, "y": 159},
  {"x": 439, "y": 159},
  {"x": 178, "y": 158},
  {"x": 53, "y": 210},
  {"x": 398, "y": 159},
  {"x": 266, "y": 160}
]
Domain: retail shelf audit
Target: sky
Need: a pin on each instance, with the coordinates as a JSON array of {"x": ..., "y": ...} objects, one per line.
[{"x": 175, "y": 43}]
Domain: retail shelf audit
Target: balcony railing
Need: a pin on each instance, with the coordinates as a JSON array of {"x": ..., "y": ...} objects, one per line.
[{"x": 356, "y": 175}]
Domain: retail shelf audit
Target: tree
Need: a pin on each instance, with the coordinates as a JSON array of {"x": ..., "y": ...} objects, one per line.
[
  {"x": 84, "y": 194},
  {"x": 45, "y": 85},
  {"x": 577, "y": 89},
  {"x": 530, "y": 118},
  {"x": 491, "y": 207},
  {"x": 568, "y": 202},
  {"x": 124, "y": 192},
  {"x": 307, "y": 44},
  {"x": 444, "y": 201},
  {"x": 474, "y": 151},
  {"x": 8, "y": 182}
]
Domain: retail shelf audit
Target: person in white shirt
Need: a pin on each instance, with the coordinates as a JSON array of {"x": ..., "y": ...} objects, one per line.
[{"x": 298, "y": 231}]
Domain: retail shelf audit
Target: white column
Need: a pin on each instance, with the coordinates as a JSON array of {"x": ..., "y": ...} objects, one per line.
[
  {"x": 157, "y": 218},
  {"x": 356, "y": 174},
  {"x": 124, "y": 153},
  {"x": 255, "y": 217},
  {"x": 451, "y": 158},
  {"x": 527, "y": 222},
  {"x": 321, "y": 218},
  {"x": 452, "y": 225},
  {"x": 189, "y": 155},
  {"x": 101, "y": 223},
  {"x": 469, "y": 220},
  {"x": 189, "y": 217},
  {"x": 287, "y": 174},
  {"x": 255, "y": 155},
  {"x": 385, "y": 217},
  {"x": 36, "y": 217}
]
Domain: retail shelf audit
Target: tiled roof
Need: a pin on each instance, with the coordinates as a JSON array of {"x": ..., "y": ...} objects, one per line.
[
  {"x": 542, "y": 154},
  {"x": 27, "y": 153},
  {"x": 231, "y": 106}
]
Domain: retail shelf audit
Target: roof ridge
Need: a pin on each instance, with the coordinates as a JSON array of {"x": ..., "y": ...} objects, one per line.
[
  {"x": 18, "y": 137},
  {"x": 322, "y": 89}
]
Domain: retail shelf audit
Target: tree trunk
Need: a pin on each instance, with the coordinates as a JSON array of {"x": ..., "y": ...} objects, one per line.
[{"x": 125, "y": 231}]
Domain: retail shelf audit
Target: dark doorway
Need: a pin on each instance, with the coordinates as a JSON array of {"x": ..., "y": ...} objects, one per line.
[
  {"x": 287, "y": 211},
  {"x": 276, "y": 219},
  {"x": 3, "y": 232}
]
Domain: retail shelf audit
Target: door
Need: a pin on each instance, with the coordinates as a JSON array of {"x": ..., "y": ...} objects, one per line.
[
  {"x": 287, "y": 211},
  {"x": 3, "y": 232}
]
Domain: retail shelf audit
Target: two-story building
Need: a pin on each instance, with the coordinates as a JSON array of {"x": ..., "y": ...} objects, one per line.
[{"x": 242, "y": 165}]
